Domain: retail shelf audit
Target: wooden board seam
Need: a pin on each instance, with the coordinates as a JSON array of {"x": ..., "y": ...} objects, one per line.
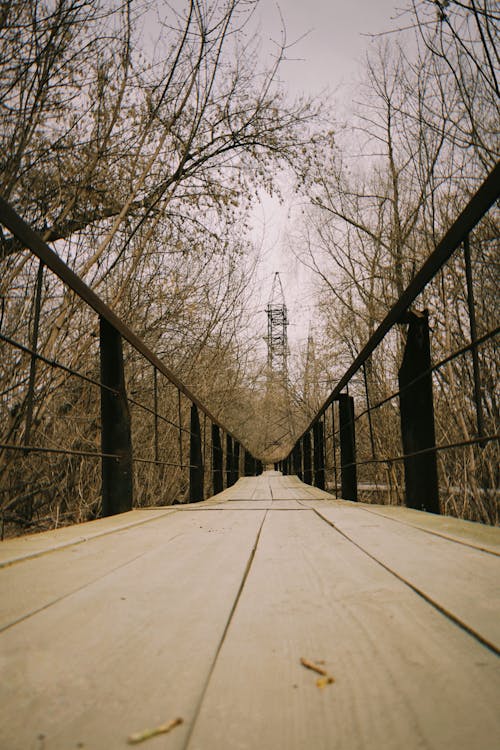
[
  {"x": 415, "y": 525},
  {"x": 58, "y": 599},
  {"x": 448, "y": 537},
  {"x": 237, "y": 598},
  {"x": 483, "y": 641},
  {"x": 82, "y": 540}
]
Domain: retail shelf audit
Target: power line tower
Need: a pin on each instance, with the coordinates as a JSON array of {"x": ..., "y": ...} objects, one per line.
[
  {"x": 278, "y": 427},
  {"x": 277, "y": 338}
]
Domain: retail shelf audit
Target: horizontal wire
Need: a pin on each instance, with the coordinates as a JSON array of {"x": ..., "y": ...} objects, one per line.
[
  {"x": 157, "y": 414},
  {"x": 40, "y": 449},
  {"x": 432, "y": 449},
  {"x": 433, "y": 368},
  {"x": 54, "y": 363},
  {"x": 162, "y": 463}
]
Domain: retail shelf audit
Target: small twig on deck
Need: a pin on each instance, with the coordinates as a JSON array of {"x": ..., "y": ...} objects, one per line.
[
  {"x": 134, "y": 739},
  {"x": 310, "y": 665},
  {"x": 325, "y": 679}
]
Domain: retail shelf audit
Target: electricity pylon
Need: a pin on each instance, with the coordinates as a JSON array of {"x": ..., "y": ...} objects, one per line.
[
  {"x": 277, "y": 339},
  {"x": 279, "y": 426}
]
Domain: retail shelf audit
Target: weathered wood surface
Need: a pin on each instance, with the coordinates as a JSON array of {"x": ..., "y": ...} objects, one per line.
[{"x": 205, "y": 611}]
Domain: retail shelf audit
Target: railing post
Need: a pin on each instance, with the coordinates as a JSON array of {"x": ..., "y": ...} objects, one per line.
[
  {"x": 334, "y": 448},
  {"x": 195, "y": 459},
  {"x": 155, "y": 409},
  {"x": 347, "y": 436},
  {"x": 319, "y": 454},
  {"x": 248, "y": 464},
  {"x": 229, "y": 461},
  {"x": 217, "y": 475},
  {"x": 236, "y": 461},
  {"x": 306, "y": 450},
  {"x": 473, "y": 336},
  {"x": 34, "y": 346},
  {"x": 417, "y": 416},
  {"x": 297, "y": 459},
  {"x": 117, "y": 477}
]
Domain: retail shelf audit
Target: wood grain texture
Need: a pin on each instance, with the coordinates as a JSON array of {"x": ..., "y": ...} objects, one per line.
[
  {"x": 463, "y": 581},
  {"x": 202, "y": 612},
  {"x": 405, "y": 675},
  {"x": 35, "y": 583},
  {"x": 474, "y": 534},
  {"x": 133, "y": 649},
  {"x": 33, "y": 545},
  {"x": 468, "y": 532}
]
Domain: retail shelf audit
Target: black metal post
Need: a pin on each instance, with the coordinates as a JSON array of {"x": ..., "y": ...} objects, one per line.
[
  {"x": 248, "y": 464},
  {"x": 417, "y": 416},
  {"x": 473, "y": 337},
  {"x": 297, "y": 459},
  {"x": 37, "y": 303},
  {"x": 195, "y": 459},
  {"x": 155, "y": 395},
  {"x": 319, "y": 454},
  {"x": 229, "y": 461},
  {"x": 335, "y": 473},
  {"x": 204, "y": 450},
  {"x": 306, "y": 450},
  {"x": 368, "y": 410},
  {"x": 236, "y": 461},
  {"x": 217, "y": 475},
  {"x": 347, "y": 435},
  {"x": 179, "y": 410},
  {"x": 117, "y": 477}
]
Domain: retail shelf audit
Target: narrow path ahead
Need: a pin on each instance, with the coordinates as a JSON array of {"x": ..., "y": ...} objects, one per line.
[{"x": 205, "y": 611}]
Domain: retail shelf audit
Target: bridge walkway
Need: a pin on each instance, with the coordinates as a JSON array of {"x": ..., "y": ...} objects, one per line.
[{"x": 205, "y": 612}]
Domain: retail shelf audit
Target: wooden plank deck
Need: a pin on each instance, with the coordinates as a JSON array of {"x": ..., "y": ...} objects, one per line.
[{"x": 204, "y": 612}]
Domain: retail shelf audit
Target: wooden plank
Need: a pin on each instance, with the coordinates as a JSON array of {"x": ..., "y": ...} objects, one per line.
[
  {"x": 33, "y": 545},
  {"x": 242, "y": 490},
  {"x": 405, "y": 675},
  {"x": 467, "y": 532},
  {"x": 131, "y": 650},
  {"x": 37, "y": 582},
  {"x": 474, "y": 534},
  {"x": 232, "y": 505},
  {"x": 464, "y": 581},
  {"x": 278, "y": 504},
  {"x": 285, "y": 488}
]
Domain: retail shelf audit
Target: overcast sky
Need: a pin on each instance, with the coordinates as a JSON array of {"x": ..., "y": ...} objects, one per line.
[{"x": 332, "y": 38}]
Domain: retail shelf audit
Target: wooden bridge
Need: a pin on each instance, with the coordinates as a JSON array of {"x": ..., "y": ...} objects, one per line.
[{"x": 270, "y": 616}]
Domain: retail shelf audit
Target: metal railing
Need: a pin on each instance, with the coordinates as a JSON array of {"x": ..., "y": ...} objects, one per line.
[
  {"x": 404, "y": 442},
  {"x": 204, "y": 453}
]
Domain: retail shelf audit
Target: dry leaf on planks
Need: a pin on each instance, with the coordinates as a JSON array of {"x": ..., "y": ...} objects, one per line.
[{"x": 325, "y": 679}]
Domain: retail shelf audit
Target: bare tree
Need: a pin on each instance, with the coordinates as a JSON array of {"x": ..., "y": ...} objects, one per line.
[{"x": 421, "y": 139}]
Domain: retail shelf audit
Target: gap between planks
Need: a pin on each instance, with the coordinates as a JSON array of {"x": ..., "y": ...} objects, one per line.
[
  {"x": 224, "y": 635},
  {"x": 417, "y": 589}
]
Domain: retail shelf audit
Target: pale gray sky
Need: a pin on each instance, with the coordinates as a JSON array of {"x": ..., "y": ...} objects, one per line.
[{"x": 332, "y": 38}]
